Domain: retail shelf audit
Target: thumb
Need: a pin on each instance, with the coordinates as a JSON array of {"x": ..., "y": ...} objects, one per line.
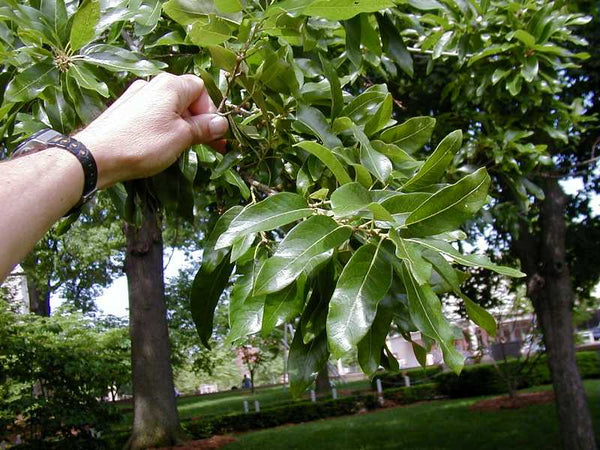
[{"x": 207, "y": 127}]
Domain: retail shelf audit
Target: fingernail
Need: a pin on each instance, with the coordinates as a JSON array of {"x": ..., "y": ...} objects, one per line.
[{"x": 218, "y": 126}]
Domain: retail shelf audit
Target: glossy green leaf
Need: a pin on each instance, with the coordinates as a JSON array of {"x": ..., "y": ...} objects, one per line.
[
  {"x": 212, "y": 258},
  {"x": 359, "y": 110},
  {"x": 222, "y": 57},
  {"x": 245, "y": 311},
  {"x": 85, "y": 21},
  {"x": 364, "y": 281},
  {"x": 275, "y": 211},
  {"x": 229, "y": 6},
  {"x": 204, "y": 33},
  {"x": 234, "y": 178},
  {"x": 410, "y": 253},
  {"x": 371, "y": 346},
  {"x": 349, "y": 199},
  {"x": 305, "y": 361},
  {"x": 411, "y": 135},
  {"x": 307, "y": 240},
  {"x": 86, "y": 79},
  {"x": 381, "y": 118},
  {"x": 241, "y": 246},
  {"x": 450, "y": 207},
  {"x": 530, "y": 69},
  {"x": 379, "y": 212},
  {"x": 316, "y": 123},
  {"x": 328, "y": 158},
  {"x": 393, "y": 152},
  {"x": 525, "y": 37},
  {"x": 283, "y": 306},
  {"x": 337, "y": 97},
  {"x": 353, "y": 29},
  {"x": 436, "y": 164},
  {"x": 369, "y": 36},
  {"x": 449, "y": 251},
  {"x": 121, "y": 60},
  {"x": 393, "y": 45},
  {"x": 426, "y": 312},
  {"x": 405, "y": 203},
  {"x": 186, "y": 12},
  {"x": 28, "y": 84},
  {"x": 343, "y": 9},
  {"x": 376, "y": 163},
  {"x": 480, "y": 316},
  {"x": 206, "y": 291}
]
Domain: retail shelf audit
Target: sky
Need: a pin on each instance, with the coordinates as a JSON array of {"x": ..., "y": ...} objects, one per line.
[{"x": 114, "y": 299}]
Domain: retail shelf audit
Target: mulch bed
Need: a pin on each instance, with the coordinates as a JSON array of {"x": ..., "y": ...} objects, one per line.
[
  {"x": 203, "y": 444},
  {"x": 520, "y": 401}
]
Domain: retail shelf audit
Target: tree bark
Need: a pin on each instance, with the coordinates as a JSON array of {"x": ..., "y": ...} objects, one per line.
[
  {"x": 322, "y": 381},
  {"x": 155, "y": 418},
  {"x": 549, "y": 288},
  {"x": 39, "y": 302}
]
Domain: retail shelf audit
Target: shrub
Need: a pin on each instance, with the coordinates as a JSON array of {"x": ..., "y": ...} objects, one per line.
[
  {"x": 484, "y": 379},
  {"x": 417, "y": 376}
]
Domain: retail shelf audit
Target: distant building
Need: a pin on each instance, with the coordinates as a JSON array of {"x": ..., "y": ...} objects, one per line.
[{"x": 15, "y": 287}]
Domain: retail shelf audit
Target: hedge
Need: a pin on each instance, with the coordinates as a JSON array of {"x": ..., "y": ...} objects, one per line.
[
  {"x": 304, "y": 411},
  {"x": 483, "y": 379},
  {"x": 417, "y": 376}
]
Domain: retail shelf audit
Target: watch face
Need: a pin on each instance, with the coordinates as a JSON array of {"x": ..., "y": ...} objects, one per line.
[{"x": 39, "y": 141}]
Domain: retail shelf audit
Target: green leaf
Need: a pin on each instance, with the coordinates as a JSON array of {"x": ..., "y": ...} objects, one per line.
[
  {"x": 86, "y": 79},
  {"x": 327, "y": 158},
  {"x": 530, "y": 69},
  {"x": 171, "y": 38},
  {"x": 393, "y": 152},
  {"x": 480, "y": 316},
  {"x": 283, "y": 306},
  {"x": 118, "y": 59},
  {"x": 206, "y": 291},
  {"x": 204, "y": 34},
  {"x": 450, "y": 207},
  {"x": 307, "y": 240},
  {"x": 273, "y": 212},
  {"x": 361, "y": 108},
  {"x": 212, "y": 258},
  {"x": 411, "y": 135},
  {"x": 56, "y": 13},
  {"x": 233, "y": 178},
  {"x": 449, "y": 251},
  {"x": 436, "y": 164},
  {"x": 405, "y": 203},
  {"x": 186, "y": 12},
  {"x": 229, "y": 6},
  {"x": 85, "y": 20},
  {"x": 410, "y": 253},
  {"x": 27, "y": 85},
  {"x": 343, "y": 9},
  {"x": 525, "y": 38},
  {"x": 337, "y": 97},
  {"x": 379, "y": 212},
  {"x": 350, "y": 199},
  {"x": 316, "y": 124},
  {"x": 371, "y": 346},
  {"x": 369, "y": 36},
  {"x": 245, "y": 310},
  {"x": 364, "y": 281},
  {"x": 222, "y": 57},
  {"x": 426, "y": 312},
  {"x": 376, "y": 163},
  {"x": 305, "y": 361},
  {"x": 353, "y": 29},
  {"x": 394, "y": 46},
  {"x": 381, "y": 118},
  {"x": 241, "y": 246}
]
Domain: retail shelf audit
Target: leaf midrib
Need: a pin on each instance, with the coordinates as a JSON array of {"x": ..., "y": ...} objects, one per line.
[{"x": 437, "y": 213}]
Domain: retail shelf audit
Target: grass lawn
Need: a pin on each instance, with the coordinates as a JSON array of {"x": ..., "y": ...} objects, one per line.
[{"x": 434, "y": 425}]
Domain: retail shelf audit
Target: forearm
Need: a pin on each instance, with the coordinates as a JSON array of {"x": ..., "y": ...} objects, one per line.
[{"x": 37, "y": 190}]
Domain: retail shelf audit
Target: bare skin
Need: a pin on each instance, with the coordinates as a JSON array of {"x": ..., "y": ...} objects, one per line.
[{"x": 141, "y": 134}]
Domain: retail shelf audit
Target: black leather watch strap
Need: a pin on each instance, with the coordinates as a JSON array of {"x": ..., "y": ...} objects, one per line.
[{"x": 50, "y": 138}]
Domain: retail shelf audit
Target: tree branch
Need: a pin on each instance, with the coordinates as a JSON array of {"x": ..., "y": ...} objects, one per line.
[{"x": 258, "y": 185}]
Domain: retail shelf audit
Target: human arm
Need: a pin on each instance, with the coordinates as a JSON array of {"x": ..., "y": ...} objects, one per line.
[{"x": 142, "y": 133}]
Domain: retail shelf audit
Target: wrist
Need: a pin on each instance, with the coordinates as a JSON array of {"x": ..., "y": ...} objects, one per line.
[{"x": 108, "y": 171}]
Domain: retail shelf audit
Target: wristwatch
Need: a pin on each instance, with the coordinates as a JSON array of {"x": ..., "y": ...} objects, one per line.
[{"x": 48, "y": 138}]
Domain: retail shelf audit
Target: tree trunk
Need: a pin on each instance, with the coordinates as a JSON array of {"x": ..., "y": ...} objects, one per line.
[
  {"x": 549, "y": 288},
  {"x": 39, "y": 302},
  {"x": 322, "y": 381},
  {"x": 155, "y": 419}
]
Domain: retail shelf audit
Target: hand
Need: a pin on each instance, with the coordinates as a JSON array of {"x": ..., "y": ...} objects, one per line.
[{"x": 147, "y": 128}]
